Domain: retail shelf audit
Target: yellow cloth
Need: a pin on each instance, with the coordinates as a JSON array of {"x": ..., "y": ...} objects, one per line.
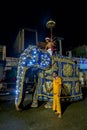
[{"x": 56, "y": 94}]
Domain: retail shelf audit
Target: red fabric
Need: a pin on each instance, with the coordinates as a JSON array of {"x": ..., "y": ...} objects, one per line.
[{"x": 53, "y": 49}]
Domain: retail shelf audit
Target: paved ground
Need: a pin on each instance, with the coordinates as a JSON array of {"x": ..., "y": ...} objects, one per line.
[{"x": 74, "y": 117}]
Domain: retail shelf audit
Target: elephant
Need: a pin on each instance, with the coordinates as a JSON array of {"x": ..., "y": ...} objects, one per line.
[{"x": 40, "y": 60}]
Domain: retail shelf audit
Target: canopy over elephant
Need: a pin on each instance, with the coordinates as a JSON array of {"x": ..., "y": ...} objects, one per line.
[{"x": 34, "y": 57}]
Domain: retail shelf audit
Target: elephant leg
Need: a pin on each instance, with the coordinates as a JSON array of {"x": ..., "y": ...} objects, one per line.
[
  {"x": 48, "y": 104},
  {"x": 35, "y": 98}
]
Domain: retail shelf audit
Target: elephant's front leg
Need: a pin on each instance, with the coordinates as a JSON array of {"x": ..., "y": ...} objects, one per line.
[{"x": 35, "y": 97}]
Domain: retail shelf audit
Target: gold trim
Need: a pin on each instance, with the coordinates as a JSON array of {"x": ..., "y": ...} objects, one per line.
[{"x": 60, "y": 97}]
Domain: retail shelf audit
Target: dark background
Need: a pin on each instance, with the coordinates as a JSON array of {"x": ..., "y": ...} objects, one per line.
[{"x": 70, "y": 18}]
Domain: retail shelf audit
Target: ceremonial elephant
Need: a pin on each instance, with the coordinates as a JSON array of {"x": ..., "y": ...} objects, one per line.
[{"x": 39, "y": 59}]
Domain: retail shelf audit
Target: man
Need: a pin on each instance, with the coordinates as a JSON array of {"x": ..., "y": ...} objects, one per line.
[
  {"x": 57, "y": 83},
  {"x": 49, "y": 45}
]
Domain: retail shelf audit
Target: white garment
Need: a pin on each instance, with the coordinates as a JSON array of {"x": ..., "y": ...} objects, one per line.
[
  {"x": 82, "y": 81},
  {"x": 50, "y": 51}
]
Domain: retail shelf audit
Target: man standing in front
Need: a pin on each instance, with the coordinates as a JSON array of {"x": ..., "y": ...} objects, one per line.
[{"x": 57, "y": 83}]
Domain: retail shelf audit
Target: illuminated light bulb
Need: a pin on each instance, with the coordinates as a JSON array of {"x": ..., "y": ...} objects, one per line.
[
  {"x": 33, "y": 60},
  {"x": 23, "y": 62},
  {"x": 16, "y": 91},
  {"x": 35, "y": 52},
  {"x": 24, "y": 58},
  {"x": 16, "y": 98},
  {"x": 34, "y": 56}
]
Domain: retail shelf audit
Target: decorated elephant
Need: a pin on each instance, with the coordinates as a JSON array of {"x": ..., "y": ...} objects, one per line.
[{"x": 40, "y": 60}]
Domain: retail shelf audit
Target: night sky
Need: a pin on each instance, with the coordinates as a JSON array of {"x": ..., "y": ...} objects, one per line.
[{"x": 70, "y": 18}]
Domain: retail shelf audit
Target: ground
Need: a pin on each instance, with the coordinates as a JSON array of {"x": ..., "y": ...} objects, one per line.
[{"x": 74, "y": 116}]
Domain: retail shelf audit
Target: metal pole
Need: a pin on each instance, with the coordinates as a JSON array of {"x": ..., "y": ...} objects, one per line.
[
  {"x": 36, "y": 37},
  {"x": 60, "y": 46},
  {"x": 51, "y": 34},
  {"x": 22, "y": 40}
]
